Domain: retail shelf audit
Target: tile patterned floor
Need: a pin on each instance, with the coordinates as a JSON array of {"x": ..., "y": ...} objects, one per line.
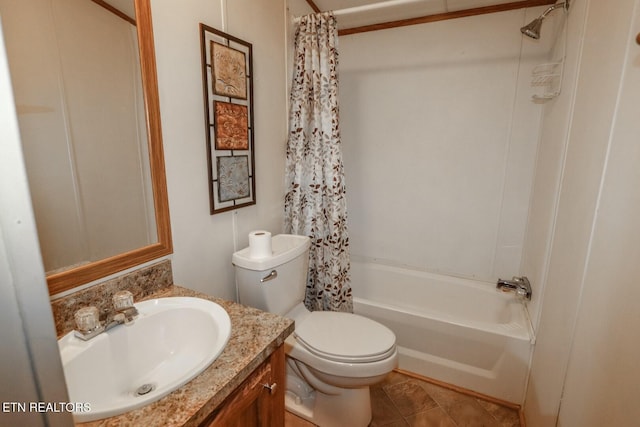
[{"x": 403, "y": 401}]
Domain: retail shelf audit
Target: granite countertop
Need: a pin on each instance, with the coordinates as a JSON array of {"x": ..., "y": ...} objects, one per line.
[{"x": 254, "y": 336}]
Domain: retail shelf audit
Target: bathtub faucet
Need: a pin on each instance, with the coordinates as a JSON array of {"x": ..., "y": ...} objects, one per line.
[{"x": 520, "y": 285}]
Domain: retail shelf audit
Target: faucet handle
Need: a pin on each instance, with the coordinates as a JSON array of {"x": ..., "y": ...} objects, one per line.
[
  {"x": 87, "y": 319},
  {"x": 122, "y": 300}
]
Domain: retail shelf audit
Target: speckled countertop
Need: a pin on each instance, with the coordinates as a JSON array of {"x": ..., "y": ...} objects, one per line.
[{"x": 254, "y": 336}]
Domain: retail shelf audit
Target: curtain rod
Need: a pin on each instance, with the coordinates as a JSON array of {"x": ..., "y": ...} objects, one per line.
[
  {"x": 369, "y": 7},
  {"x": 502, "y": 7}
]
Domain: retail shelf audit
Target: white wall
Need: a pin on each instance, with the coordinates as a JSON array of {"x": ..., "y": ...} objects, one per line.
[
  {"x": 31, "y": 370},
  {"x": 551, "y": 154},
  {"x": 557, "y": 304},
  {"x": 203, "y": 244},
  {"x": 440, "y": 137},
  {"x": 585, "y": 360},
  {"x": 603, "y": 375}
]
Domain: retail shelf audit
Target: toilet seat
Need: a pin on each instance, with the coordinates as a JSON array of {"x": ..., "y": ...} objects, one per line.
[{"x": 345, "y": 337}]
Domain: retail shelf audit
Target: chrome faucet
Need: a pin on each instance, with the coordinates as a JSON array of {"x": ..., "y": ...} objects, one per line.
[
  {"x": 88, "y": 320},
  {"x": 520, "y": 285},
  {"x": 119, "y": 317}
]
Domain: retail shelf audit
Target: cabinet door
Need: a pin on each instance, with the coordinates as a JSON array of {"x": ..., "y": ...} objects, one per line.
[{"x": 258, "y": 401}]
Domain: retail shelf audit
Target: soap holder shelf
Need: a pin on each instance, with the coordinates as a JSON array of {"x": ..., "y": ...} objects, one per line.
[{"x": 547, "y": 79}]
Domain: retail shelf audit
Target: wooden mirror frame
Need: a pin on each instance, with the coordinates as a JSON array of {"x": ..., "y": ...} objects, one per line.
[{"x": 69, "y": 279}]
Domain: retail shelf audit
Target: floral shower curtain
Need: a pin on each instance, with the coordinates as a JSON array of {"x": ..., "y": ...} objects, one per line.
[{"x": 315, "y": 203}]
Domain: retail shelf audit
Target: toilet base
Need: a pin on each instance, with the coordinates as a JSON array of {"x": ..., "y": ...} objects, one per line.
[{"x": 350, "y": 408}]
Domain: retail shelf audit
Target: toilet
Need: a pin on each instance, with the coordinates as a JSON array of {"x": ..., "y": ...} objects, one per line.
[{"x": 332, "y": 358}]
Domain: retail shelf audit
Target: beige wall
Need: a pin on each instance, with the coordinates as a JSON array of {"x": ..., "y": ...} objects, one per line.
[{"x": 203, "y": 244}]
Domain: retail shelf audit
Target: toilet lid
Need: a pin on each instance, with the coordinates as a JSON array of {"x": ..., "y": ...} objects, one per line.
[{"x": 345, "y": 337}]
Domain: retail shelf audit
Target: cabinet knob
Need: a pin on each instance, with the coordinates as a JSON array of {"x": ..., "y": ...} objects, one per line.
[
  {"x": 638, "y": 38},
  {"x": 271, "y": 388}
]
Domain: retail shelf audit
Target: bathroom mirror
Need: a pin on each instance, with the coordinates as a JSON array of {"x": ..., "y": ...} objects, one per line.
[{"x": 87, "y": 103}]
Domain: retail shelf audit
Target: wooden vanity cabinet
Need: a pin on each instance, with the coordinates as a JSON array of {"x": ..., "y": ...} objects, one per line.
[{"x": 258, "y": 401}]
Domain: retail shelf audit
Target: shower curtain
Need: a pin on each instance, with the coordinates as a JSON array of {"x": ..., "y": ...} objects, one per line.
[{"x": 315, "y": 203}]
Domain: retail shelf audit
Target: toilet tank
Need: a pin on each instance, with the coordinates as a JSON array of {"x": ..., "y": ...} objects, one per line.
[{"x": 276, "y": 283}]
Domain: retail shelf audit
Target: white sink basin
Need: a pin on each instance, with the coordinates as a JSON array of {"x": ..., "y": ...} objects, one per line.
[{"x": 170, "y": 342}]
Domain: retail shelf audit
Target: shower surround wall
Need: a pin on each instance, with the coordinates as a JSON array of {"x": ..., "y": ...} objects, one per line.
[{"x": 440, "y": 138}]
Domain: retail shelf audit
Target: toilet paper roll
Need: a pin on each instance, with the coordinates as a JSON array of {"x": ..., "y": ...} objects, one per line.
[{"x": 260, "y": 244}]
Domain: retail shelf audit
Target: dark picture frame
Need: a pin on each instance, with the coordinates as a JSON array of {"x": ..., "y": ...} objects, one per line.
[{"x": 227, "y": 83}]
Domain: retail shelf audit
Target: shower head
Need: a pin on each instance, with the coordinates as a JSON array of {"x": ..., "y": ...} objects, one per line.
[{"x": 533, "y": 28}]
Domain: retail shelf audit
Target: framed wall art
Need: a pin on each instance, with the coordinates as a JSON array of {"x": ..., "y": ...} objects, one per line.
[
  {"x": 231, "y": 122},
  {"x": 233, "y": 177},
  {"x": 227, "y": 84},
  {"x": 229, "y": 71}
]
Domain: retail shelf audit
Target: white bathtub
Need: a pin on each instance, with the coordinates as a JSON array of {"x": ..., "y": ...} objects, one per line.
[{"x": 455, "y": 330}]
